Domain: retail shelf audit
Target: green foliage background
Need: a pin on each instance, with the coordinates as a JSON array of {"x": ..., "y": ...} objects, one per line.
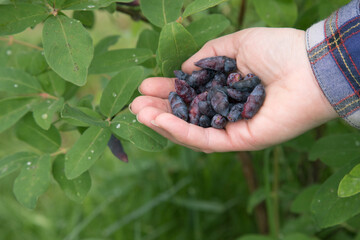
[{"x": 306, "y": 188}]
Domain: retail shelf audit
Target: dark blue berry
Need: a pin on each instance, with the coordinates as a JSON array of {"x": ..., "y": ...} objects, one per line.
[
  {"x": 204, "y": 121},
  {"x": 178, "y": 106},
  {"x": 117, "y": 149},
  {"x": 220, "y": 102},
  {"x": 218, "y": 121},
  {"x": 254, "y": 102},
  {"x": 183, "y": 89},
  {"x": 235, "y": 112}
]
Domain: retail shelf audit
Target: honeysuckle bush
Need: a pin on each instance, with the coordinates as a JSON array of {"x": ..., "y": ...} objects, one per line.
[{"x": 310, "y": 184}]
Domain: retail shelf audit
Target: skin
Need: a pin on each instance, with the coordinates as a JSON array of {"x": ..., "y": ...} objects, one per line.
[{"x": 294, "y": 101}]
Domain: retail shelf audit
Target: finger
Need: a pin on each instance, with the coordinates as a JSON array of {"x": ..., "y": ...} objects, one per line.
[
  {"x": 206, "y": 139},
  {"x": 148, "y": 101},
  {"x": 147, "y": 115},
  {"x": 157, "y": 87},
  {"x": 224, "y": 46}
]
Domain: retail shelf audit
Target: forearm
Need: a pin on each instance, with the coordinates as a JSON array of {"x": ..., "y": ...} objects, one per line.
[{"x": 333, "y": 47}]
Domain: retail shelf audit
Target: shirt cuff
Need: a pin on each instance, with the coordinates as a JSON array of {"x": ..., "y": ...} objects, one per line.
[{"x": 333, "y": 47}]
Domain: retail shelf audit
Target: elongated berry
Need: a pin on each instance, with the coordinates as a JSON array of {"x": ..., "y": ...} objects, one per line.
[
  {"x": 247, "y": 84},
  {"x": 218, "y": 121},
  {"x": 219, "y": 63},
  {"x": 220, "y": 102},
  {"x": 181, "y": 75},
  {"x": 233, "y": 78},
  {"x": 240, "y": 96},
  {"x": 194, "y": 112},
  {"x": 220, "y": 78},
  {"x": 213, "y": 90},
  {"x": 183, "y": 89},
  {"x": 206, "y": 109},
  {"x": 117, "y": 149},
  {"x": 204, "y": 121},
  {"x": 198, "y": 78},
  {"x": 178, "y": 106},
  {"x": 235, "y": 112},
  {"x": 254, "y": 102}
]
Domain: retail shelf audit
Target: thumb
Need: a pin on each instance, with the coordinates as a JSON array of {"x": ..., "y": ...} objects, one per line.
[{"x": 224, "y": 46}]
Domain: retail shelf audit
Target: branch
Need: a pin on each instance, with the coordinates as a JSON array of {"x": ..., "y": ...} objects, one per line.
[
  {"x": 134, "y": 14},
  {"x": 249, "y": 173},
  {"x": 11, "y": 40}
]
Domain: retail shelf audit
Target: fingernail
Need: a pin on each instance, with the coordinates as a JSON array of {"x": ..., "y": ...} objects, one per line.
[
  {"x": 140, "y": 91},
  {"x": 130, "y": 109},
  {"x": 153, "y": 123},
  {"x": 137, "y": 118}
]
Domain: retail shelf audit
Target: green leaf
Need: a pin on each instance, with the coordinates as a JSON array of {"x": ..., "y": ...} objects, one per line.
[
  {"x": 208, "y": 27},
  {"x": 125, "y": 126},
  {"x": 161, "y": 12},
  {"x": 298, "y": 236},
  {"x": 18, "y": 81},
  {"x": 15, "y": 18},
  {"x": 88, "y": 4},
  {"x": 327, "y": 207},
  {"x": 336, "y": 150},
  {"x": 277, "y": 13},
  {"x": 87, "y": 18},
  {"x": 82, "y": 117},
  {"x": 302, "y": 202},
  {"x": 44, "y": 111},
  {"x": 52, "y": 83},
  {"x": 105, "y": 43},
  {"x": 12, "y": 162},
  {"x": 255, "y": 237},
  {"x": 119, "y": 90},
  {"x": 175, "y": 45},
  {"x": 12, "y": 109},
  {"x": 200, "y": 5},
  {"x": 350, "y": 184},
  {"x": 113, "y": 61},
  {"x": 86, "y": 151},
  {"x": 75, "y": 189},
  {"x": 47, "y": 141},
  {"x": 329, "y": 6},
  {"x": 148, "y": 39},
  {"x": 255, "y": 198},
  {"x": 33, "y": 181},
  {"x": 68, "y": 48},
  {"x": 32, "y": 62}
]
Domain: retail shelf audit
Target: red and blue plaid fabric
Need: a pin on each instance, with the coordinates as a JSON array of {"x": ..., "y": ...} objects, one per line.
[{"x": 333, "y": 47}]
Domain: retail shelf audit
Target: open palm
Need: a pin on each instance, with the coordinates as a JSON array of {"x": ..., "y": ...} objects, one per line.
[{"x": 294, "y": 102}]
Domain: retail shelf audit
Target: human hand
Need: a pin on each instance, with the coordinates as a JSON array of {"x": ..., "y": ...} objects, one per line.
[{"x": 294, "y": 101}]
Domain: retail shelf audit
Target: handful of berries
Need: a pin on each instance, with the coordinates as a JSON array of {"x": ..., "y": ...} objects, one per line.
[{"x": 216, "y": 94}]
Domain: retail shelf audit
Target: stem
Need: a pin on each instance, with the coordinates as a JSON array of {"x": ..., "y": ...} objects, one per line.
[
  {"x": 61, "y": 151},
  {"x": 242, "y": 13},
  {"x": 249, "y": 173},
  {"x": 11, "y": 40},
  {"x": 269, "y": 200},
  {"x": 278, "y": 154},
  {"x": 134, "y": 14}
]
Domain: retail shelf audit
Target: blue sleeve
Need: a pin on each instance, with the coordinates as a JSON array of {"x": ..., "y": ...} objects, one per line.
[{"x": 333, "y": 47}]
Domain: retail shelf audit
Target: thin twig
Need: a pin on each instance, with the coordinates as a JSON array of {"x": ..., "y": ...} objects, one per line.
[
  {"x": 11, "y": 40},
  {"x": 252, "y": 183},
  {"x": 134, "y": 14}
]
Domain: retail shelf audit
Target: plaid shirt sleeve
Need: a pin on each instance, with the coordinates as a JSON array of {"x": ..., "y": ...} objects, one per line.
[{"x": 333, "y": 47}]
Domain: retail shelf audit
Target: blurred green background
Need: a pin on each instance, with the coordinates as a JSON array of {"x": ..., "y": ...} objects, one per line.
[{"x": 178, "y": 193}]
